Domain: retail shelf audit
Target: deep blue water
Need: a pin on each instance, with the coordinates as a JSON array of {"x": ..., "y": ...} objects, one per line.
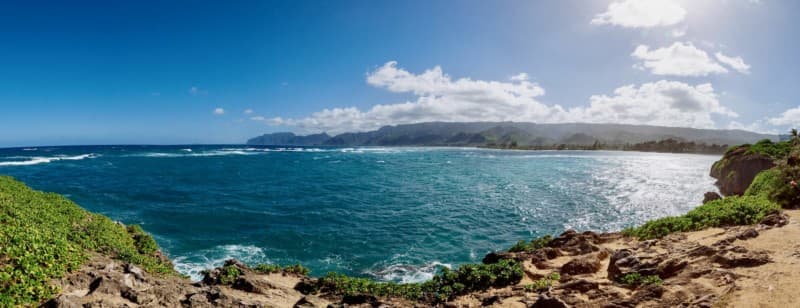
[{"x": 391, "y": 213}]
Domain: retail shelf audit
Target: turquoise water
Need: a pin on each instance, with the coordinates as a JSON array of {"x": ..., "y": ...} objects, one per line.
[{"x": 390, "y": 213}]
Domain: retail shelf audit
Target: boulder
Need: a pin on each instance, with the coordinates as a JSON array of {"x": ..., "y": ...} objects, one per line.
[
  {"x": 710, "y": 196},
  {"x": 581, "y": 265}
]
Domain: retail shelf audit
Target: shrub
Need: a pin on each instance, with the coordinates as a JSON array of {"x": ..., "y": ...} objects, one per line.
[
  {"x": 274, "y": 268},
  {"x": 775, "y": 150},
  {"x": 533, "y": 245},
  {"x": 267, "y": 268},
  {"x": 144, "y": 242},
  {"x": 297, "y": 269},
  {"x": 636, "y": 279},
  {"x": 229, "y": 274},
  {"x": 43, "y": 236},
  {"x": 765, "y": 183},
  {"x": 442, "y": 287},
  {"x": 729, "y": 211},
  {"x": 542, "y": 284}
]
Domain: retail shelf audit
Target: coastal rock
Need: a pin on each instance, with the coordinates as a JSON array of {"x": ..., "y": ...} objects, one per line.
[
  {"x": 710, "y": 196},
  {"x": 740, "y": 258},
  {"x": 547, "y": 301},
  {"x": 737, "y": 169},
  {"x": 581, "y": 265}
]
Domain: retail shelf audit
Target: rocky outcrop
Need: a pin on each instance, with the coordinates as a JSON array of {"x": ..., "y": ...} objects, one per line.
[
  {"x": 696, "y": 269},
  {"x": 737, "y": 169}
]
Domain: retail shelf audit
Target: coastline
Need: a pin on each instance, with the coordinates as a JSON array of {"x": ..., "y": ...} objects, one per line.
[{"x": 663, "y": 262}]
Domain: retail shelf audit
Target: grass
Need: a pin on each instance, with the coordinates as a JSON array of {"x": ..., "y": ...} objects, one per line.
[
  {"x": 729, "y": 211},
  {"x": 43, "y": 236},
  {"x": 444, "y": 285}
]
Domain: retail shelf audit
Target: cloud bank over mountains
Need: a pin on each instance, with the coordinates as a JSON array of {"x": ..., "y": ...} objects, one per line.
[
  {"x": 686, "y": 102},
  {"x": 440, "y": 97}
]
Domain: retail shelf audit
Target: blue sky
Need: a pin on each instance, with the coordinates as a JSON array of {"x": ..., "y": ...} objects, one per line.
[{"x": 221, "y": 72}]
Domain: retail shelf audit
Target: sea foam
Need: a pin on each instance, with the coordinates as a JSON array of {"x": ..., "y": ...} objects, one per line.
[{"x": 43, "y": 160}]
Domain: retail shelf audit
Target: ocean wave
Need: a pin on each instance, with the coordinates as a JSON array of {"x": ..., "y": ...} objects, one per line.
[
  {"x": 192, "y": 265},
  {"x": 222, "y": 152},
  {"x": 43, "y": 160},
  {"x": 405, "y": 273}
]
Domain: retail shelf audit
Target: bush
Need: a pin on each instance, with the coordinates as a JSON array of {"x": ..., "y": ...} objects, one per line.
[
  {"x": 775, "y": 150},
  {"x": 43, "y": 236},
  {"x": 274, "y": 268},
  {"x": 543, "y": 284},
  {"x": 636, "y": 279},
  {"x": 533, "y": 245},
  {"x": 729, "y": 211},
  {"x": 144, "y": 242},
  {"x": 229, "y": 274},
  {"x": 765, "y": 183},
  {"x": 442, "y": 287},
  {"x": 267, "y": 268}
]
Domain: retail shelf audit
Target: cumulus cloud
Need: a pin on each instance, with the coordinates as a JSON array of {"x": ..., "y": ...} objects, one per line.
[
  {"x": 219, "y": 111},
  {"x": 664, "y": 103},
  {"x": 790, "y": 117},
  {"x": 440, "y": 97},
  {"x": 736, "y": 63},
  {"x": 641, "y": 14},
  {"x": 248, "y": 111},
  {"x": 680, "y": 59}
]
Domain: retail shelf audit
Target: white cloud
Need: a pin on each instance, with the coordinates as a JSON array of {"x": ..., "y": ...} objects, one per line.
[
  {"x": 736, "y": 63},
  {"x": 680, "y": 59},
  {"x": 219, "y": 111},
  {"x": 519, "y": 77},
  {"x": 197, "y": 91},
  {"x": 248, "y": 111},
  {"x": 257, "y": 118},
  {"x": 641, "y": 14},
  {"x": 665, "y": 103},
  {"x": 790, "y": 117},
  {"x": 442, "y": 98}
]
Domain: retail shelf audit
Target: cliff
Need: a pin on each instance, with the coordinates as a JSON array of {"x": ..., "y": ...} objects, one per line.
[{"x": 740, "y": 164}]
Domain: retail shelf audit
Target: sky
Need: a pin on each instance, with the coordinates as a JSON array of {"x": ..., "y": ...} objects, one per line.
[{"x": 179, "y": 72}]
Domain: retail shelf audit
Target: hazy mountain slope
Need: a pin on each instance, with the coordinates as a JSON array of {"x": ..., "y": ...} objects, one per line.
[{"x": 483, "y": 133}]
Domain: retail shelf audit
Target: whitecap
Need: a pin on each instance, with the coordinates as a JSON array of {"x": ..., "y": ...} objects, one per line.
[
  {"x": 405, "y": 273},
  {"x": 43, "y": 160},
  {"x": 196, "y": 262}
]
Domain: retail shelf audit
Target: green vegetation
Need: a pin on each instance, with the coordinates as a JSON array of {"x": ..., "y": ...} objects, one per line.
[
  {"x": 543, "y": 284},
  {"x": 765, "y": 183},
  {"x": 44, "y": 235},
  {"x": 443, "y": 286},
  {"x": 776, "y": 150},
  {"x": 533, "y": 245},
  {"x": 636, "y": 279},
  {"x": 274, "y": 268},
  {"x": 729, "y": 211},
  {"x": 229, "y": 274}
]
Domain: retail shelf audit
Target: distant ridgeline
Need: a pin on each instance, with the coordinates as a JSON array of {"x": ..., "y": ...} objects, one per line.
[{"x": 529, "y": 136}]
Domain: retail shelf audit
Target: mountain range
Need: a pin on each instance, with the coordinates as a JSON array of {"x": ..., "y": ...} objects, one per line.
[{"x": 504, "y": 133}]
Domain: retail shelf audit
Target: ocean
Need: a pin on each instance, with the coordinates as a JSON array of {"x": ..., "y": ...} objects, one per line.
[{"x": 394, "y": 214}]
